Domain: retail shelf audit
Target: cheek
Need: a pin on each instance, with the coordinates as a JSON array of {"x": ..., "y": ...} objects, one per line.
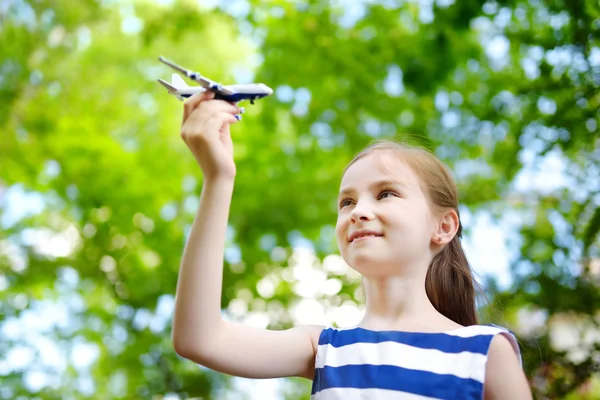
[{"x": 340, "y": 228}]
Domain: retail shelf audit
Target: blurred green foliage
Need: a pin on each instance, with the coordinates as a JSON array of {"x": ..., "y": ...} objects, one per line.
[{"x": 89, "y": 147}]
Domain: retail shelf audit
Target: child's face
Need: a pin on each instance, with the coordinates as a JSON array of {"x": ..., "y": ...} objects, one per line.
[{"x": 381, "y": 195}]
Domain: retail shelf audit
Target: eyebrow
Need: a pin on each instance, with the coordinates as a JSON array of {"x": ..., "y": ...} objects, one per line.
[{"x": 375, "y": 185}]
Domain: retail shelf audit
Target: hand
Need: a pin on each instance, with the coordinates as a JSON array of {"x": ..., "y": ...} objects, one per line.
[{"x": 205, "y": 130}]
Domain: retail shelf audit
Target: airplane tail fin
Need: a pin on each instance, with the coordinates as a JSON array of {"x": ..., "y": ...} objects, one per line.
[{"x": 178, "y": 82}]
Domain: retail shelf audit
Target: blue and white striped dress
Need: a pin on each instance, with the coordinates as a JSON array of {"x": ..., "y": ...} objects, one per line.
[{"x": 356, "y": 363}]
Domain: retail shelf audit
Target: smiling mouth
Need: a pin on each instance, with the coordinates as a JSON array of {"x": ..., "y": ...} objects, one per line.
[{"x": 360, "y": 238}]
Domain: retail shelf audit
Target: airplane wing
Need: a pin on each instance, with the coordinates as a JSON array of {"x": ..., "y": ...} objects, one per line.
[
  {"x": 196, "y": 76},
  {"x": 211, "y": 85}
]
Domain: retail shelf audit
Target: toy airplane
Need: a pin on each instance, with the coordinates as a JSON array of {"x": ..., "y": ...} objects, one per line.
[{"x": 230, "y": 93}]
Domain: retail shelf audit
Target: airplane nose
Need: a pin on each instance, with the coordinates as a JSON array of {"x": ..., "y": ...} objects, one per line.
[{"x": 267, "y": 89}]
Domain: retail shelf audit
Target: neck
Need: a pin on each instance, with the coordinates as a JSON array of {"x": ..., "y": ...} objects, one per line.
[{"x": 401, "y": 303}]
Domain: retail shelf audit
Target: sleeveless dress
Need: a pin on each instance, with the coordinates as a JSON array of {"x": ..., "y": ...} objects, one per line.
[{"x": 357, "y": 363}]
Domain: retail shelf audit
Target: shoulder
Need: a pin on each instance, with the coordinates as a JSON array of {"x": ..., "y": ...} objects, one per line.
[
  {"x": 501, "y": 344},
  {"x": 503, "y": 350},
  {"x": 504, "y": 376},
  {"x": 491, "y": 332}
]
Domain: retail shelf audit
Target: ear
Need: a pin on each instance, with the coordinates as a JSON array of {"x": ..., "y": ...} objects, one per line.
[{"x": 447, "y": 228}]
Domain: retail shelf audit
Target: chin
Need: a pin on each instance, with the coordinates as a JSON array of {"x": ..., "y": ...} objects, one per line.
[{"x": 367, "y": 265}]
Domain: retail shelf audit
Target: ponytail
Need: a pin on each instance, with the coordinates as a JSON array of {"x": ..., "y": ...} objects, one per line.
[{"x": 450, "y": 285}]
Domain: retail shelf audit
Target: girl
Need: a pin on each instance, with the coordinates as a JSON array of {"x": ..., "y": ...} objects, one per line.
[{"x": 398, "y": 225}]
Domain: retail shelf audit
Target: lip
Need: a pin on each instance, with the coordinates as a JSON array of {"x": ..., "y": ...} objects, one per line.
[{"x": 360, "y": 233}]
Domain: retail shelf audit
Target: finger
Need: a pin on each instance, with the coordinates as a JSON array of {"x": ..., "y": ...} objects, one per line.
[
  {"x": 231, "y": 118},
  {"x": 218, "y": 121},
  {"x": 194, "y": 101},
  {"x": 197, "y": 122},
  {"x": 209, "y": 109},
  {"x": 225, "y": 118},
  {"x": 215, "y": 106}
]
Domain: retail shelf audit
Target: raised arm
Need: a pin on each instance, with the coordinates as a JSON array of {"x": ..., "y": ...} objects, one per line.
[{"x": 199, "y": 332}]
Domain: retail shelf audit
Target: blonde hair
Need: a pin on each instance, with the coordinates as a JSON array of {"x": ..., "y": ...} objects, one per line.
[{"x": 450, "y": 284}]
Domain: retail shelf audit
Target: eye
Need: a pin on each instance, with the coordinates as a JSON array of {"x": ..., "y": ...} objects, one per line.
[
  {"x": 344, "y": 202},
  {"x": 386, "y": 193}
]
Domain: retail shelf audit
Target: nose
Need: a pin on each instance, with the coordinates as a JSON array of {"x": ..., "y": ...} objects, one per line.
[{"x": 361, "y": 212}]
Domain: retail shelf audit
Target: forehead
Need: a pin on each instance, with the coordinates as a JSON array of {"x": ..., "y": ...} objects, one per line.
[{"x": 378, "y": 166}]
